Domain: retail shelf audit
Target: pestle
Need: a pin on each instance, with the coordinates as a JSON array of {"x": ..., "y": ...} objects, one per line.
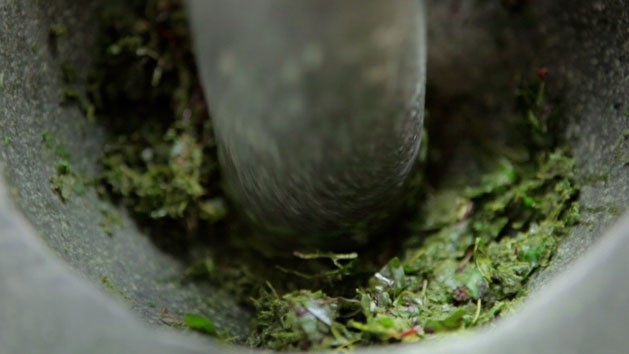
[{"x": 317, "y": 108}]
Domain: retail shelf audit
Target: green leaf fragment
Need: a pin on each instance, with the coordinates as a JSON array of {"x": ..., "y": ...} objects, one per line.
[{"x": 200, "y": 323}]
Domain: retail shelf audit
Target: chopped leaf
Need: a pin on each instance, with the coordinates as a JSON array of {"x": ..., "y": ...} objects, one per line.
[{"x": 200, "y": 323}]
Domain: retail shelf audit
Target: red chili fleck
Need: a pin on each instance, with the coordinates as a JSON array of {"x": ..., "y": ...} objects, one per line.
[
  {"x": 411, "y": 331},
  {"x": 300, "y": 311},
  {"x": 460, "y": 294},
  {"x": 542, "y": 73}
]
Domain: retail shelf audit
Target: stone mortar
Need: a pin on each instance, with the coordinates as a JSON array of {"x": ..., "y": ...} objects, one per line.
[{"x": 53, "y": 255}]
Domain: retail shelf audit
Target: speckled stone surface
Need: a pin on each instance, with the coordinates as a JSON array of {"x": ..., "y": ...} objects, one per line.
[{"x": 579, "y": 305}]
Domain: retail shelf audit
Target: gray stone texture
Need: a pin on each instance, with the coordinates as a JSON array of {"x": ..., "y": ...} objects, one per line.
[{"x": 53, "y": 255}]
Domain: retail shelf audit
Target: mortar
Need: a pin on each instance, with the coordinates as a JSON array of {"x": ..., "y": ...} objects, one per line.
[{"x": 50, "y": 296}]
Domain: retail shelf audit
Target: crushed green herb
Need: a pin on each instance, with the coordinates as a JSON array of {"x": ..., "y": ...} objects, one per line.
[
  {"x": 112, "y": 289},
  {"x": 621, "y": 154},
  {"x": 467, "y": 251},
  {"x": 72, "y": 95},
  {"x": 163, "y": 167},
  {"x": 65, "y": 181},
  {"x": 58, "y": 30},
  {"x": 467, "y": 259},
  {"x": 51, "y": 143},
  {"x": 110, "y": 221},
  {"x": 200, "y": 323}
]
